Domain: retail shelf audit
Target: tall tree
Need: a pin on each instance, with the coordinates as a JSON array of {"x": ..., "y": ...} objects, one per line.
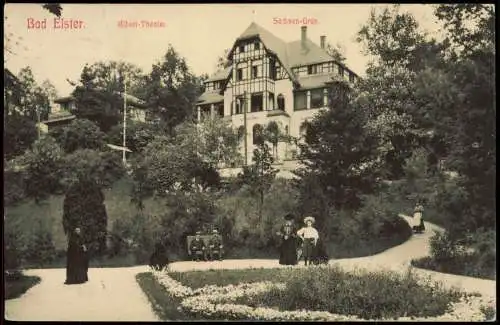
[
  {"x": 339, "y": 152},
  {"x": 400, "y": 51},
  {"x": 260, "y": 175},
  {"x": 172, "y": 90},
  {"x": 98, "y": 96}
]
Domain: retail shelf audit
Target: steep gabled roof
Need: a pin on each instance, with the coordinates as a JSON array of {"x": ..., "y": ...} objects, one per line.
[
  {"x": 272, "y": 43},
  {"x": 289, "y": 54}
]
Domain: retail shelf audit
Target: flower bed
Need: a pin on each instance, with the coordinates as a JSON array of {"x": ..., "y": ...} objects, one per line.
[{"x": 225, "y": 303}]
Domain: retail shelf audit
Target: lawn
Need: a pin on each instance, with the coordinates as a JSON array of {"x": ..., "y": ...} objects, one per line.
[
  {"x": 17, "y": 284},
  {"x": 315, "y": 293}
]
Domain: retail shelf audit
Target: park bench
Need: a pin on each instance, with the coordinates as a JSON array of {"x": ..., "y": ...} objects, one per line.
[{"x": 206, "y": 240}]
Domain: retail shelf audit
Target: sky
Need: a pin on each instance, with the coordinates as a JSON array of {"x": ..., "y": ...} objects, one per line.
[{"x": 198, "y": 32}]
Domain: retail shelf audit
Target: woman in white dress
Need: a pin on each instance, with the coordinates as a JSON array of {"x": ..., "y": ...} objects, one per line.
[
  {"x": 309, "y": 236},
  {"x": 418, "y": 221}
]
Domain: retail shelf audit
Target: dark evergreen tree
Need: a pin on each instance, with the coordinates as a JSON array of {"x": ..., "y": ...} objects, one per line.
[{"x": 338, "y": 153}]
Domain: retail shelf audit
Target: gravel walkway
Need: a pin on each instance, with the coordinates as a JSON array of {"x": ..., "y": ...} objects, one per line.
[{"x": 112, "y": 294}]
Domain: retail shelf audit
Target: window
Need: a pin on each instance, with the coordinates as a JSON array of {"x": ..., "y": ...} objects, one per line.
[
  {"x": 281, "y": 102},
  {"x": 316, "y": 98},
  {"x": 286, "y": 130},
  {"x": 219, "y": 110},
  {"x": 256, "y": 103},
  {"x": 341, "y": 71},
  {"x": 272, "y": 69},
  {"x": 256, "y": 45},
  {"x": 300, "y": 100},
  {"x": 312, "y": 69},
  {"x": 242, "y": 48},
  {"x": 204, "y": 112},
  {"x": 255, "y": 72},
  {"x": 351, "y": 77},
  {"x": 257, "y": 132},
  {"x": 239, "y": 75},
  {"x": 270, "y": 105},
  {"x": 238, "y": 109}
]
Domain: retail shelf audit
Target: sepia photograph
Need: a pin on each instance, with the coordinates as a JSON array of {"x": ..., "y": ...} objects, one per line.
[{"x": 249, "y": 162}]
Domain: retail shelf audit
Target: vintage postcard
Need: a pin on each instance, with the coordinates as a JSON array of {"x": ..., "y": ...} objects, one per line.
[{"x": 249, "y": 162}]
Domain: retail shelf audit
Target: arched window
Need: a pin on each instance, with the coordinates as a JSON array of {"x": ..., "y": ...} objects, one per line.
[
  {"x": 257, "y": 132},
  {"x": 281, "y": 102}
]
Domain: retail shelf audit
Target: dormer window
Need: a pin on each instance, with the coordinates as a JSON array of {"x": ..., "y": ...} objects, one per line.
[
  {"x": 257, "y": 45},
  {"x": 242, "y": 48}
]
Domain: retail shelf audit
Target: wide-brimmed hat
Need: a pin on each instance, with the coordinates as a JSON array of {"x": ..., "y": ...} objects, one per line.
[
  {"x": 289, "y": 216},
  {"x": 198, "y": 232},
  {"x": 309, "y": 218},
  {"x": 215, "y": 231}
]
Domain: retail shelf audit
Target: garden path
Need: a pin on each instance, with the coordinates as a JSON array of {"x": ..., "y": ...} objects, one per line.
[{"x": 112, "y": 294}]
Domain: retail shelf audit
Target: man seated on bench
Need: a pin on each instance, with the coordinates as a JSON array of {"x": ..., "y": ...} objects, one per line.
[
  {"x": 215, "y": 246},
  {"x": 197, "y": 248}
]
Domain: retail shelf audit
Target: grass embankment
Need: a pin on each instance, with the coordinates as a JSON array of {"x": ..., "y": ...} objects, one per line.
[
  {"x": 17, "y": 284},
  {"x": 29, "y": 219},
  {"x": 463, "y": 265}
]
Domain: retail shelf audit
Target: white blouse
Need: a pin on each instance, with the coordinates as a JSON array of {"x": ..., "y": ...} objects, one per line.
[{"x": 308, "y": 232}]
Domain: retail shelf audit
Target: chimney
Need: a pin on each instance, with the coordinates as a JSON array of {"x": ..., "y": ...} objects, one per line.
[
  {"x": 303, "y": 37},
  {"x": 322, "y": 41}
]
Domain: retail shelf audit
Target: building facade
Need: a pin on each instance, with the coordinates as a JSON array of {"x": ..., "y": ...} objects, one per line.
[
  {"x": 270, "y": 80},
  {"x": 61, "y": 112}
]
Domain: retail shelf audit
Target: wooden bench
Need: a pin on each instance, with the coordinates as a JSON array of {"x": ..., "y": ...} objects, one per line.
[{"x": 206, "y": 240}]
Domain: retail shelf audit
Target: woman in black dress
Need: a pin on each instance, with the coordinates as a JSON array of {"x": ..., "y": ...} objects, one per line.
[
  {"x": 77, "y": 261},
  {"x": 289, "y": 242}
]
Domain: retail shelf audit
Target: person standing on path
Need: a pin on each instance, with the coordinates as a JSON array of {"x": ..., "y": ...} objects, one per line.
[
  {"x": 77, "y": 263},
  {"x": 418, "y": 221},
  {"x": 289, "y": 242},
  {"x": 309, "y": 236}
]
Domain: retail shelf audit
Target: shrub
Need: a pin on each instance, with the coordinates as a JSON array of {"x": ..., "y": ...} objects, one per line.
[
  {"x": 376, "y": 223},
  {"x": 17, "y": 284},
  {"x": 40, "y": 249},
  {"x": 369, "y": 295},
  {"x": 237, "y": 210},
  {"x": 475, "y": 258},
  {"x": 12, "y": 253},
  {"x": 136, "y": 236},
  {"x": 13, "y": 187}
]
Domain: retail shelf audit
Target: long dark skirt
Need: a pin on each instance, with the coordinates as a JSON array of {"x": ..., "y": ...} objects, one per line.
[
  {"x": 288, "y": 251},
  {"x": 77, "y": 265}
]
